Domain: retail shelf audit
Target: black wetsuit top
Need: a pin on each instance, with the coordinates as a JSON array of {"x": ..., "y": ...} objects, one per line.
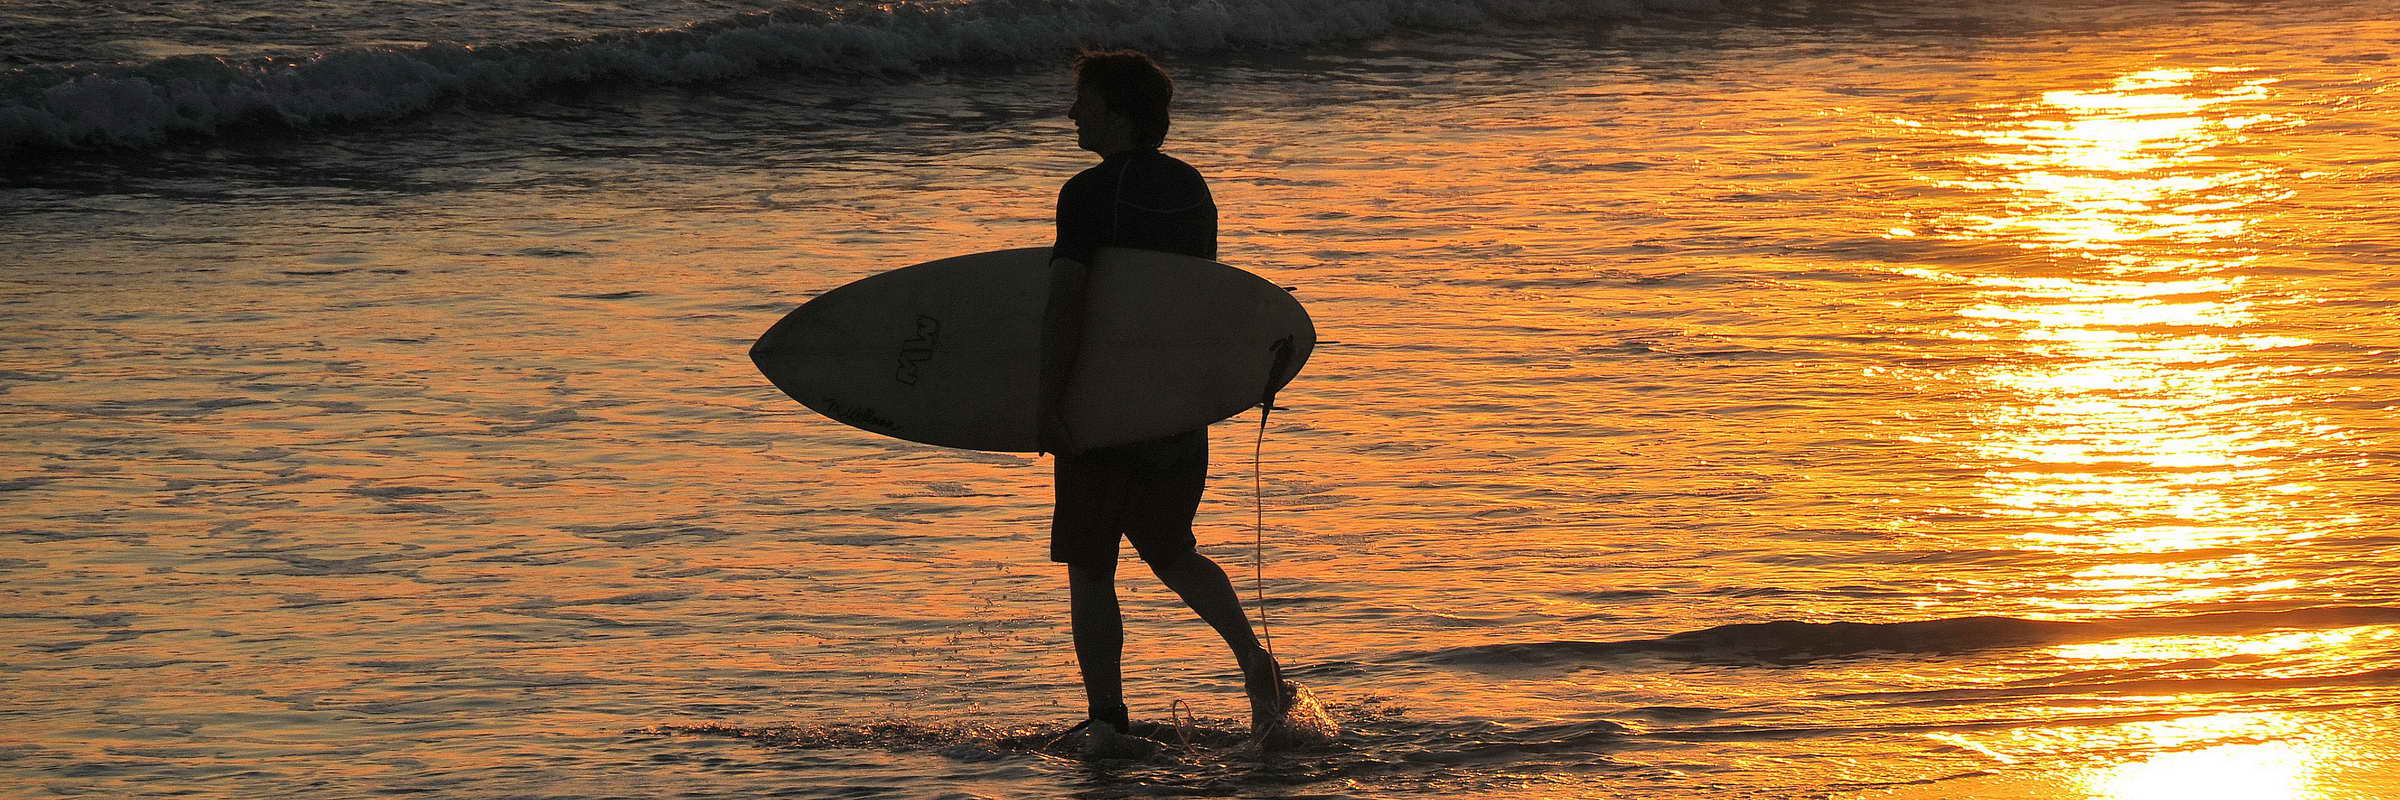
[
  {"x": 1149, "y": 490},
  {"x": 1136, "y": 198}
]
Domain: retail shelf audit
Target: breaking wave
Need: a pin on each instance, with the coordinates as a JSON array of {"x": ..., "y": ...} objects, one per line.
[{"x": 143, "y": 105}]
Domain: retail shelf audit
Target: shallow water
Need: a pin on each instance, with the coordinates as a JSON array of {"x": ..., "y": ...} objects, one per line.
[{"x": 2026, "y": 372}]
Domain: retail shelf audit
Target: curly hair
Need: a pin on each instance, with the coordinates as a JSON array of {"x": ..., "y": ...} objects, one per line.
[{"x": 1131, "y": 84}]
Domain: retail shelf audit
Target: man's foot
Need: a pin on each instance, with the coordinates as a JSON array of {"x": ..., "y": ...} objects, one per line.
[
  {"x": 1270, "y": 696},
  {"x": 1098, "y": 739},
  {"x": 1284, "y": 714}
]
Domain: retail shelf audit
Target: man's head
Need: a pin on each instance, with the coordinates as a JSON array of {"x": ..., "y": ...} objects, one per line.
[{"x": 1121, "y": 99}]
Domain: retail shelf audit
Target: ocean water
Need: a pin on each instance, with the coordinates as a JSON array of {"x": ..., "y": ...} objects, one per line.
[{"x": 1777, "y": 400}]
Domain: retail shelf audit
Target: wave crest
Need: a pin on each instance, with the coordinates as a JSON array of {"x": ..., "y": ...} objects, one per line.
[
  {"x": 1788, "y": 640},
  {"x": 144, "y": 105}
]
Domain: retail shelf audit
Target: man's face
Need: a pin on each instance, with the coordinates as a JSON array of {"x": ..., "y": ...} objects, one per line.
[{"x": 1094, "y": 125}]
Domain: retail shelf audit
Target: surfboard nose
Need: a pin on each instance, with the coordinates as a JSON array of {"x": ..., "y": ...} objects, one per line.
[{"x": 771, "y": 341}]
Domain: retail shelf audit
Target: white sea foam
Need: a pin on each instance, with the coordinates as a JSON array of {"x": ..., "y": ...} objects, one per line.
[{"x": 143, "y": 105}]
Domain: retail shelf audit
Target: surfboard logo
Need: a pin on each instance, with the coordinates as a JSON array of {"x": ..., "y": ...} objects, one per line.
[
  {"x": 918, "y": 349},
  {"x": 859, "y": 416}
]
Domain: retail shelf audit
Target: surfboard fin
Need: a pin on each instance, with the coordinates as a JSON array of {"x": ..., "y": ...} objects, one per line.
[{"x": 1283, "y": 360}]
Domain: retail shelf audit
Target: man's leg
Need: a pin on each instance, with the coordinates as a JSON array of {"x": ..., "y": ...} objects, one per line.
[
  {"x": 1099, "y": 639},
  {"x": 1161, "y": 528},
  {"x": 1203, "y": 586}
]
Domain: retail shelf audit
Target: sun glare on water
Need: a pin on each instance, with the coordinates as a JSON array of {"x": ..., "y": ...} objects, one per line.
[
  {"x": 2128, "y": 415},
  {"x": 2265, "y": 771}
]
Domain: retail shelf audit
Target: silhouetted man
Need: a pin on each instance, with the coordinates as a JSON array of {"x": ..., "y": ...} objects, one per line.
[{"x": 1146, "y": 491}]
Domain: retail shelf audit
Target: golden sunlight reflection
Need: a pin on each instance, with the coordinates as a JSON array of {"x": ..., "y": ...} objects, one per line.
[
  {"x": 2232, "y": 756},
  {"x": 2131, "y": 412},
  {"x": 2196, "y": 647},
  {"x": 2278, "y": 770},
  {"x": 2132, "y": 416},
  {"x": 2094, "y": 170}
]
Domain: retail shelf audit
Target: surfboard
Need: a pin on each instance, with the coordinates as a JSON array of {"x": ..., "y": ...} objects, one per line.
[{"x": 948, "y": 352}]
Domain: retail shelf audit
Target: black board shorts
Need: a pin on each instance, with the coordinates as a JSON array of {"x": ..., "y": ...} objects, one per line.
[{"x": 1147, "y": 492}]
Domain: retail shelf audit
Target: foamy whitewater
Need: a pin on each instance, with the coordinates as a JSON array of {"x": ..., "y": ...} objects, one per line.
[
  {"x": 82, "y": 93},
  {"x": 1750, "y": 399}
]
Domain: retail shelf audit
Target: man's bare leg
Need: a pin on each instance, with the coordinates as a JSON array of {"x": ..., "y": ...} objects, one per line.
[
  {"x": 1099, "y": 640},
  {"x": 1203, "y": 586}
]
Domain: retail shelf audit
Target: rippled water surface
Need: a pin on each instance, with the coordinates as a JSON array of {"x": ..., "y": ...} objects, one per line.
[
  {"x": 1798, "y": 402},
  {"x": 80, "y": 31}
]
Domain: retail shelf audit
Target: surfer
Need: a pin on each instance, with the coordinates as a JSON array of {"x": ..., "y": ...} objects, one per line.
[{"x": 1147, "y": 491}]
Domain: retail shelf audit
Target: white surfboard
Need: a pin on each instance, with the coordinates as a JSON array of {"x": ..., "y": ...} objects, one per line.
[{"x": 948, "y": 352}]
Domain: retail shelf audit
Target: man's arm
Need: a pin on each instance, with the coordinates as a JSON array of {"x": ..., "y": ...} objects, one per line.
[
  {"x": 1062, "y": 341},
  {"x": 1080, "y": 211}
]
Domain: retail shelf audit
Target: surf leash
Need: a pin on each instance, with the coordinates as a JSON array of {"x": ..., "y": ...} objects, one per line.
[
  {"x": 1258, "y": 494},
  {"x": 1179, "y": 713}
]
